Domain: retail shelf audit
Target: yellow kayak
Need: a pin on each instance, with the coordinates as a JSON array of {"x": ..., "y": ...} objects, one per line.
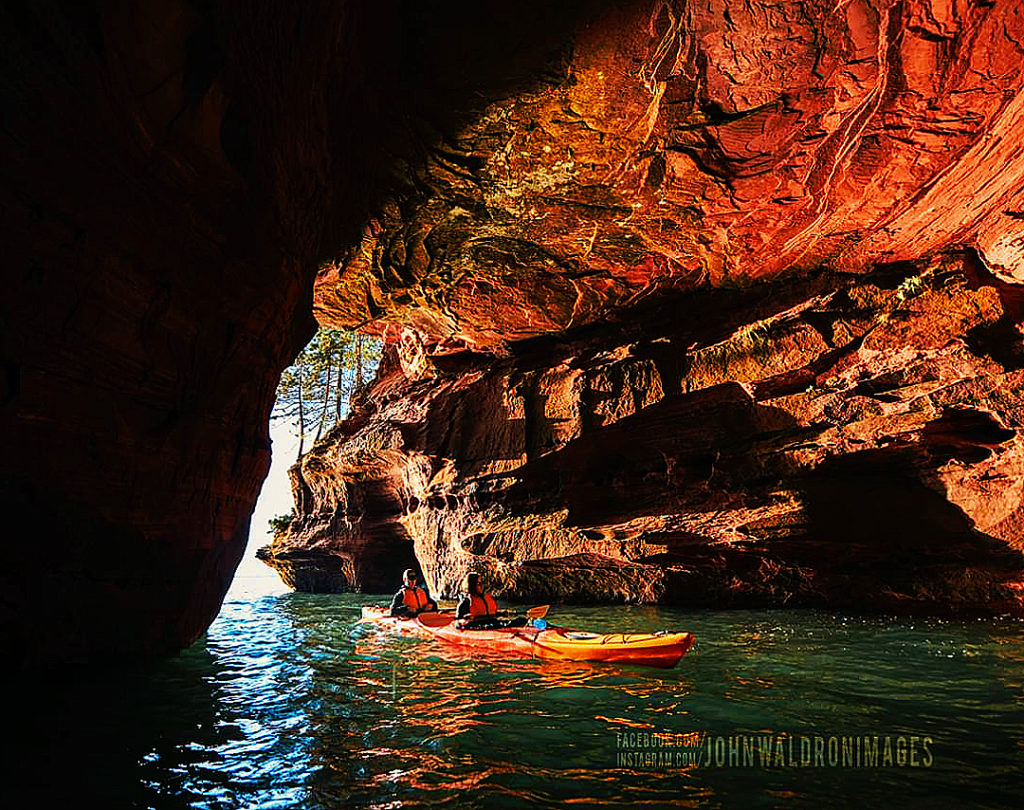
[{"x": 648, "y": 649}]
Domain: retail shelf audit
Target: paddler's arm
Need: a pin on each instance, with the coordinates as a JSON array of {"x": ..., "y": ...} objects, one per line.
[
  {"x": 462, "y": 611},
  {"x": 398, "y": 604}
]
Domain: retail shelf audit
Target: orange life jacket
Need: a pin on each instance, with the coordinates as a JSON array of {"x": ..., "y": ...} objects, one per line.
[
  {"x": 414, "y": 598},
  {"x": 482, "y": 605}
]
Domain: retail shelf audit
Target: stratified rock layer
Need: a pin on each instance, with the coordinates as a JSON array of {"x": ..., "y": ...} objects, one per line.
[
  {"x": 751, "y": 270},
  {"x": 854, "y": 443},
  {"x": 678, "y": 145},
  {"x": 510, "y": 192}
]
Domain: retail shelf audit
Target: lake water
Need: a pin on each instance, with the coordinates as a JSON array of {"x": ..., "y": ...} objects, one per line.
[{"x": 287, "y": 703}]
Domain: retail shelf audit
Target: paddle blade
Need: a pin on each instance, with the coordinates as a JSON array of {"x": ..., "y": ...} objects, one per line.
[
  {"x": 537, "y": 612},
  {"x": 436, "y": 619}
]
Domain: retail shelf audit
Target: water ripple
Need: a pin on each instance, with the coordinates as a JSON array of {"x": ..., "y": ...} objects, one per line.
[{"x": 288, "y": 703}]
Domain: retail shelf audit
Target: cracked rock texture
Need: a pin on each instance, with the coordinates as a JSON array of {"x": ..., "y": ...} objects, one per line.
[
  {"x": 574, "y": 222},
  {"x": 854, "y": 443},
  {"x": 678, "y": 145},
  {"x": 722, "y": 309}
]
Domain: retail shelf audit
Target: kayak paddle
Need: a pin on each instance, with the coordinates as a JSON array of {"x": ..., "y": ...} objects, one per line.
[
  {"x": 435, "y": 618},
  {"x": 446, "y": 613},
  {"x": 538, "y": 612}
]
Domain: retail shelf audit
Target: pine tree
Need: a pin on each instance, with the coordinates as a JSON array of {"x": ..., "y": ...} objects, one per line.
[{"x": 318, "y": 386}]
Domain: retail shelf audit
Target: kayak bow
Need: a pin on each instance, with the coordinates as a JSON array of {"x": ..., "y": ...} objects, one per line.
[{"x": 562, "y": 643}]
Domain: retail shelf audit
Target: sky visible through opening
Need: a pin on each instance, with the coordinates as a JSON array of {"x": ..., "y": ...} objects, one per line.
[{"x": 254, "y": 578}]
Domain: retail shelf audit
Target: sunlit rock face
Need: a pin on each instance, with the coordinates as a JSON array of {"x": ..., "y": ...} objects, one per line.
[
  {"x": 677, "y": 146},
  {"x": 850, "y": 441},
  {"x": 554, "y": 212},
  {"x": 721, "y": 309}
]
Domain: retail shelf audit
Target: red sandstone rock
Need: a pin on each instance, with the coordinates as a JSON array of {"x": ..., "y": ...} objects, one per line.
[
  {"x": 148, "y": 307},
  {"x": 858, "y": 449},
  {"x": 622, "y": 183},
  {"x": 806, "y": 440},
  {"x": 685, "y": 145}
]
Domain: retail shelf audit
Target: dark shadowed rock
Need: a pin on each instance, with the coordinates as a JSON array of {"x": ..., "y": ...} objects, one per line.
[{"x": 579, "y": 224}]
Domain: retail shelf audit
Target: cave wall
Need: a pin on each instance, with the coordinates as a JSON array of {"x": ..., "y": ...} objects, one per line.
[
  {"x": 673, "y": 146},
  {"x": 725, "y": 307},
  {"x": 859, "y": 448},
  {"x": 464, "y": 178},
  {"x": 153, "y": 291},
  {"x": 175, "y": 173}
]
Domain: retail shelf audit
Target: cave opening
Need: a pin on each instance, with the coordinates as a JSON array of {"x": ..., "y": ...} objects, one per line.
[
  {"x": 584, "y": 230},
  {"x": 669, "y": 319}
]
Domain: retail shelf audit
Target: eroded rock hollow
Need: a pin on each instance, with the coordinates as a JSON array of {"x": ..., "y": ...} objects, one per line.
[
  {"x": 718, "y": 300},
  {"x": 724, "y": 309}
]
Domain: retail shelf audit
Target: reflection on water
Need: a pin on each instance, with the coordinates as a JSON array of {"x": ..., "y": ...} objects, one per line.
[{"x": 289, "y": 703}]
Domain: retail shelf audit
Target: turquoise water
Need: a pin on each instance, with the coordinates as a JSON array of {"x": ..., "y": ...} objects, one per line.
[{"x": 288, "y": 704}]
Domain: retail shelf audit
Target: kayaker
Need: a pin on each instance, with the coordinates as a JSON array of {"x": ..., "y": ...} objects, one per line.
[
  {"x": 411, "y": 599},
  {"x": 477, "y": 608}
]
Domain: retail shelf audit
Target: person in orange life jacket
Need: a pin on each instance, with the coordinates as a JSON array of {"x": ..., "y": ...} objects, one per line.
[
  {"x": 477, "y": 608},
  {"x": 412, "y": 598}
]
